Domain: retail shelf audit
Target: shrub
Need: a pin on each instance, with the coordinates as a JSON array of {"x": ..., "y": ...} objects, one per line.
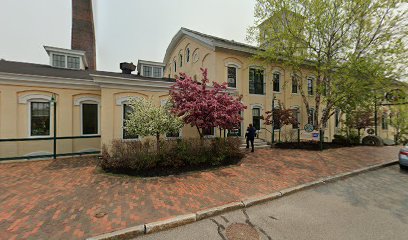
[{"x": 175, "y": 156}]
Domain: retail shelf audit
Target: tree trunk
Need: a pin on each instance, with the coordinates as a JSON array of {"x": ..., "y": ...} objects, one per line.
[{"x": 200, "y": 133}]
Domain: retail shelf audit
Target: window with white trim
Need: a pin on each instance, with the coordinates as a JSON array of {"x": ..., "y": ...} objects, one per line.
[
  {"x": 296, "y": 115},
  {"x": 73, "y": 62},
  {"x": 295, "y": 86},
  {"x": 276, "y": 81},
  {"x": 147, "y": 71},
  {"x": 90, "y": 121},
  {"x": 208, "y": 131},
  {"x": 311, "y": 117},
  {"x": 58, "y": 60},
  {"x": 310, "y": 86},
  {"x": 188, "y": 55},
  {"x": 40, "y": 118},
  {"x": 256, "y": 81},
  {"x": 157, "y": 72},
  {"x": 127, "y": 110},
  {"x": 232, "y": 77},
  {"x": 181, "y": 59}
]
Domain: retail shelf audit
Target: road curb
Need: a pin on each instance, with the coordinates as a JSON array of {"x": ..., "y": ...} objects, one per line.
[
  {"x": 170, "y": 223},
  {"x": 261, "y": 199},
  {"x": 203, "y": 214},
  {"x": 126, "y": 233},
  {"x": 218, "y": 210}
]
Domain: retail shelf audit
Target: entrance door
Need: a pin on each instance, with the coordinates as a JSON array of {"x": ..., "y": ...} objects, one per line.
[{"x": 256, "y": 118}]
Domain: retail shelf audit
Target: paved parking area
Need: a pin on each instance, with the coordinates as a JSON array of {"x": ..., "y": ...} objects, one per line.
[{"x": 71, "y": 199}]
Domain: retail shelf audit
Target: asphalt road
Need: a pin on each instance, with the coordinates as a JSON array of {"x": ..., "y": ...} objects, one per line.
[{"x": 372, "y": 205}]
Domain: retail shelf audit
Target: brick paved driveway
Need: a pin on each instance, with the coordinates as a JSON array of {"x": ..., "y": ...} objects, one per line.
[{"x": 70, "y": 199}]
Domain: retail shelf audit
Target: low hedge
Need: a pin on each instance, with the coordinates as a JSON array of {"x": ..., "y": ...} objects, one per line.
[{"x": 175, "y": 156}]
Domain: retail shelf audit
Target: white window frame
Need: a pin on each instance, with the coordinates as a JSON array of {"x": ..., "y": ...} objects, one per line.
[
  {"x": 33, "y": 100},
  {"x": 121, "y": 102},
  {"x": 161, "y": 71},
  {"x": 261, "y": 110},
  {"x": 27, "y": 99},
  {"x": 66, "y": 61},
  {"x": 210, "y": 136},
  {"x": 162, "y": 103},
  {"x": 264, "y": 80},
  {"x": 307, "y": 85},
  {"x": 296, "y": 107},
  {"x": 143, "y": 69},
  {"x": 297, "y": 87},
  {"x": 237, "y": 75},
  {"x": 273, "y": 81},
  {"x": 89, "y": 100}
]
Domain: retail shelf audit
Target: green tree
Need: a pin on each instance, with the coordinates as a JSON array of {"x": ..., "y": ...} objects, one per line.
[
  {"x": 147, "y": 119},
  {"x": 353, "y": 48},
  {"x": 400, "y": 122}
]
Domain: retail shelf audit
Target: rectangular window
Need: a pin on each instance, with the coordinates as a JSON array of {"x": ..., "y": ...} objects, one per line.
[
  {"x": 127, "y": 110},
  {"x": 310, "y": 86},
  {"x": 384, "y": 122},
  {"x": 296, "y": 114},
  {"x": 58, "y": 60},
  {"x": 157, "y": 72},
  {"x": 337, "y": 118},
  {"x": 147, "y": 71},
  {"x": 276, "y": 82},
  {"x": 40, "y": 119},
  {"x": 294, "y": 84},
  {"x": 232, "y": 77},
  {"x": 73, "y": 62},
  {"x": 89, "y": 118},
  {"x": 208, "y": 131},
  {"x": 256, "y": 81},
  {"x": 256, "y": 118},
  {"x": 173, "y": 135},
  {"x": 311, "y": 117}
]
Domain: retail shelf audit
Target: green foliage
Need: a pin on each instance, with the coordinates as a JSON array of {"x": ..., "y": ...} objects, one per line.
[
  {"x": 142, "y": 158},
  {"x": 150, "y": 120},
  {"x": 353, "y": 48},
  {"x": 400, "y": 122}
]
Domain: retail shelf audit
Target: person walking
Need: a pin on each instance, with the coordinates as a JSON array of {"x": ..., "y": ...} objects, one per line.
[{"x": 250, "y": 136}]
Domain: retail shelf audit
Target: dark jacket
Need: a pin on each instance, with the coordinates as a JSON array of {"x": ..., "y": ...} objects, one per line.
[{"x": 251, "y": 133}]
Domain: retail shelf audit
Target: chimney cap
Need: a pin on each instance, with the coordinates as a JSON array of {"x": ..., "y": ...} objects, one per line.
[{"x": 127, "y": 68}]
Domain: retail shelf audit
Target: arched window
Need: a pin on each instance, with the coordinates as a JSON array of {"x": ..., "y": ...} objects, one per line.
[
  {"x": 232, "y": 76},
  {"x": 188, "y": 55},
  {"x": 175, "y": 66},
  {"x": 276, "y": 81},
  {"x": 295, "y": 85},
  {"x": 296, "y": 115},
  {"x": 310, "y": 86},
  {"x": 181, "y": 59}
]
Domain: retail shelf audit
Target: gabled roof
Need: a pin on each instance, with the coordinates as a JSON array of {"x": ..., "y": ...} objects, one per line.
[{"x": 210, "y": 41}]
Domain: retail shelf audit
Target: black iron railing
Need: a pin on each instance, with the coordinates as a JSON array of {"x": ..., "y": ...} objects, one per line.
[{"x": 54, "y": 154}]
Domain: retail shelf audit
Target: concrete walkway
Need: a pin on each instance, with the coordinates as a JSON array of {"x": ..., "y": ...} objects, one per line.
[{"x": 70, "y": 199}]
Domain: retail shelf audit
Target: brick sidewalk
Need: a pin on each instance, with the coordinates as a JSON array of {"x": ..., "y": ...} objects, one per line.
[{"x": 69, "y": 199}]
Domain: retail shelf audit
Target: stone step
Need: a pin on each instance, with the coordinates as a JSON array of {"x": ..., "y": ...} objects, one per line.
[{"x": 256, "y": 146}]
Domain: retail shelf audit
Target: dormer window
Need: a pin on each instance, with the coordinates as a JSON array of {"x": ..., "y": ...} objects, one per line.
[
  {"x": 58, "y": 60},
  {"x": 73, "y": 62},
  {"x": 66, "y": 58},
  {"x": 150, "y": 69},
  {"x": 65, "y": 61}
]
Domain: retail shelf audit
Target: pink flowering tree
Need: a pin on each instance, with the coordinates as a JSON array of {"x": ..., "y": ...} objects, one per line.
[{"x": 205, "y": 107}]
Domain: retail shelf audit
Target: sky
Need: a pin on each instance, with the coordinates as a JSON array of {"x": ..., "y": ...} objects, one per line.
[{"x": 126, "y": 30}]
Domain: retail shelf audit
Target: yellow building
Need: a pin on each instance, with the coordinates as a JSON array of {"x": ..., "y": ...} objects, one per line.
[{"x": 91, "y": 105}]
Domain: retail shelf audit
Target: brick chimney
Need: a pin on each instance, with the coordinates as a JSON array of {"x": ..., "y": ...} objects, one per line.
[{"x": 83, "y": 32}]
